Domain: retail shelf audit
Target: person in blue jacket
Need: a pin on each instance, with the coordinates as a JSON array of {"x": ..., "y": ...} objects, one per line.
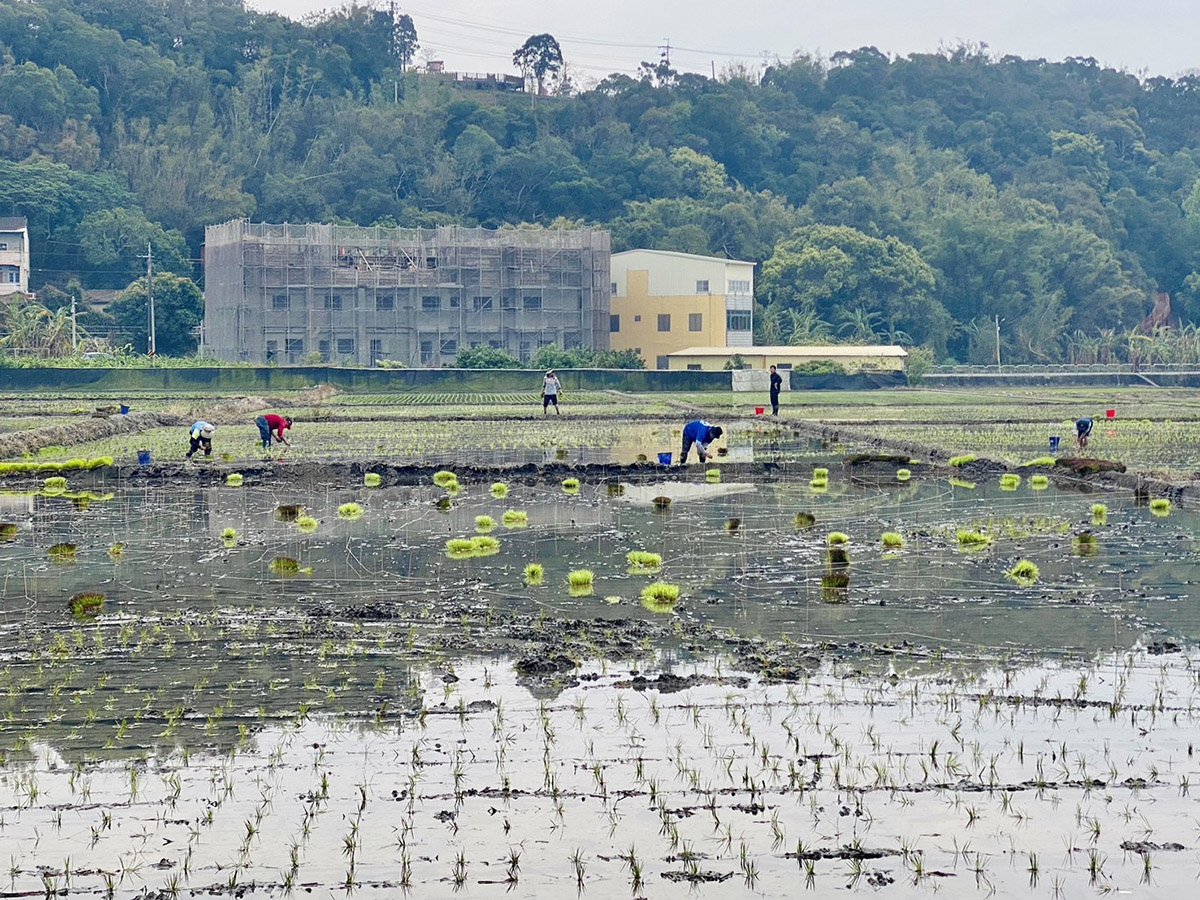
[
  {"x": 1083, "y": 431},
  {"x": 701, "y": 434},
  {"x": 200, "y": 437}
]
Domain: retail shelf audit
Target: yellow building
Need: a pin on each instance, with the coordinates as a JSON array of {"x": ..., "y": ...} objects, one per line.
[
  {"x": 663, "y": 302},
  {"x": 872, "y": 358}
]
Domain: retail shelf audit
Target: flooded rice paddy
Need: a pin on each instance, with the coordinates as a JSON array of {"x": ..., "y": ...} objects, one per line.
[{"x": 262, "y": 705}]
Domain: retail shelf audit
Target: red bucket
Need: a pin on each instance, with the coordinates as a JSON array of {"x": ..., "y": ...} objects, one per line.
[
  {"x": 759, "y": 410},
  {"x": 1110, "y": 414}
]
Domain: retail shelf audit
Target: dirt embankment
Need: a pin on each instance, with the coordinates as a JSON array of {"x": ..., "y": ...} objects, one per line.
[{"x": 82, "y": 431}]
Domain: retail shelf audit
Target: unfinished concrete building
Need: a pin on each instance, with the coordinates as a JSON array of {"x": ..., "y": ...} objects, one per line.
[{"x": 360, "y": 296}]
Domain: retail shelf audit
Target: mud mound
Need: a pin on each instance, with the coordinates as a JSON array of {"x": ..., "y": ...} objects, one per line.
[{"x": 81, "y": 432}]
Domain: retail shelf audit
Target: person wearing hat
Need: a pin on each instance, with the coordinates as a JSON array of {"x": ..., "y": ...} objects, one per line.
[
  {"x": 551, "y": 388},
  {"x": 200, "y": 436}
]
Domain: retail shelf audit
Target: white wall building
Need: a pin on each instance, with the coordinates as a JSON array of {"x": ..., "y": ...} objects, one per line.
[{"x": 14, "y": 255}]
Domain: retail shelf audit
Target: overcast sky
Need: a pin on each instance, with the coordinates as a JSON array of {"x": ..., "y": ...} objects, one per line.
[{"x": 1156, "y": 37}]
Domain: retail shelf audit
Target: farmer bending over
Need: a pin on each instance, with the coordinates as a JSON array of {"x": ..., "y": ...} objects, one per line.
[
  {"x": 200, "y": 436},
  {"x": 271, "y": 427},
  {"x": 701, "y": 434},
  {"x": 1083, "y": 431}
]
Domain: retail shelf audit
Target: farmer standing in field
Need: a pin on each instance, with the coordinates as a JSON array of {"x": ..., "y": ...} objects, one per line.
[
  {"x": 776, "y": 387},
  {"x": 551, "y": 388},
  {"x": 271, "y": 427},
  {"x": 1083, "y": 431},
  {"x": 701, "y": 434},
  {"x": 200, "y": 436}
]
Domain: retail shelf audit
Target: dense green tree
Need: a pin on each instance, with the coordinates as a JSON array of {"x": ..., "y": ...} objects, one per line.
[
  {"x": 178, "y": 309},
  {"x": 539, "y": 58},
  {"x": 485, "y": 358}
]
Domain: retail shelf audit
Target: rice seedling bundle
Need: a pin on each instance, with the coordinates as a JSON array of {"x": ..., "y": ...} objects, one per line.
[
  {"x": 1024, "y": 573},
  {"x": 660, "y": 597},
  {"x": 350, "y": 511}
]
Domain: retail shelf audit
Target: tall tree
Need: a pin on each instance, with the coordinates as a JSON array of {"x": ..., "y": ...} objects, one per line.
[
  {"x": 178, "y": 309},
  {"x": 404, "y": 39},
  {"x": 539, "y": 58}
]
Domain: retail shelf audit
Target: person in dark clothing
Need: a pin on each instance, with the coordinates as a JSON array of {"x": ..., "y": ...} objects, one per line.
[
  {"x": 701, "y": 434},
  {"x": 1083, "y": 431},
  {"x": 271, "y": 427},
  {"x": 200, "y": 438},
  {"x": 776, "y": 387}
]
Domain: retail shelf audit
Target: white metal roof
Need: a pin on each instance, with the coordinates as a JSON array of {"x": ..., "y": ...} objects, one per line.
[
  {"x": 805, "y": 350},
  {"x": 675, "y": 253}
]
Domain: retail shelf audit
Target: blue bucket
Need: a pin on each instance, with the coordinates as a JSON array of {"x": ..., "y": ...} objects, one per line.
[
  {"x": 124, "y": 410},
  {"x": 143, "y": 457},
  {"x": 1054, "y": 442},
  {"x": 664, "y": 459}
]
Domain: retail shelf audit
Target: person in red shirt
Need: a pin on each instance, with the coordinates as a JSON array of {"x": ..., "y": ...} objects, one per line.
[{"x": 272, "y": 427}]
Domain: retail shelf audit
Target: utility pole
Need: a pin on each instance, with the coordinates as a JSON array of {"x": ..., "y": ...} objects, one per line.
[
  {"x": 152, "y": 349},
  {"x": 997, "y": 341},
  {"x": 74, "y": 327}
]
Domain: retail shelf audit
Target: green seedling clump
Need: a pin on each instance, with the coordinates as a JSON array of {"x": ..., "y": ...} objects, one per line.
[
  {"x": 286, "y": 566},
  {"x": 453, "y": 489},
  {"x": 1024, "y": 573},
  {"x": 485, "y": 524},
  {"x": 229, "y": 534},
  {"x": 116, "y": 551},
  {"x": 713, "y": 476},
  {"x": 350, "y": 511},
  {"x": 535, "y": 574},
  {"x": 1086, "y": 544},
  {"x": 804, "y": 521},
  {"x": 612, "y": 600},
  {"x": 444, "y": 478},
  {"x": 288, "y": 512},
  {"x": 499, "y": 490},
  {"x": 87, "y": 605},
  {"x": 972, "y": 539},
  {"x": 820, "y": 473},
  {"x": 837, "y": 537},
  {"x": 570, "y": 486},
  {"x": 733, "y": 525},
  {"x": 1041, "y": 461},
  {"x": 9, "y": 531},
  {"x": 616, "y": 490},
  {"x": 64, "y": 553},
  {"x": 485, "y": 546},
  {"x": 965, "y": 460},
  {"x": 460, "y": 548},
  {"x": 445, "y": 504},
  {"x": 643, "y": 562},
  {"x": 1160, "y": 506},
  {"x": 1010, "y": 481},
  {"x": 903, "y": 474},
  {"x": 54, "y": 486},
  {"x": 234, "y": 479},
  {"x": 307, "y": 524},
  {"x": 581, "y": 577},
  {"x": 372, "y": 480},
  {"x": 660, "y": 597},
  {"x": 515, "y": 518},
  {"x": 962, "y": 483},
  {"x": 892, "y": 540},
  {"x": 1039, "y": 482},
  {"x": 1099, "y": 514}
]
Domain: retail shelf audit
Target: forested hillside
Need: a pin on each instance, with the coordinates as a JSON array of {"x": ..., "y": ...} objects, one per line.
[{"x": 911, "y": 199}]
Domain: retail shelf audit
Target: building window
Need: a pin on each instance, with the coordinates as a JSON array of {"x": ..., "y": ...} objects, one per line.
[
  {"x": 376, "y": 350},
  {"x": 495, "y": 345},
  {"x": 662, "y": 362},
  {"x": 664, "y": 321},
  {"x": 280, "y": 301},
  {"x": 614, "y": 287},
  {"x": 426, "y": 353},
  {"x": 702, "y": 286},
  {"x": 454, "y": 303},
  {"x": 3, "y": 245},
  {"x": 323, "y": 349},
  {"x": 333, "y": 301},
  {"x": 508, "y": 302},
  {"x": 784, "y": 367},
  {"x": 428, "y": 303},
  {"x": 531, "y": 302},
  {"x": 694, "y": 367},
  {"x": 450, "y": 347},
  {"x": 272, "y": 350},
  {"x": 739, "y": 287},
  {"x": 571, "y": 340},
  {"x": 525, "y": 351},
  {"x": 614, "y": 324},
  {"x": 431, "y": 262},
  {"x": 737, "y": 320},
  {"x": 294, "y": 347},
  {"x": 695, "y": 321},
  {"x": 637, "y": 318},
  {"x": 345, "y": 346},
  {"x": 385, "y": 302},
  {"x": 481, "y": 303}
]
